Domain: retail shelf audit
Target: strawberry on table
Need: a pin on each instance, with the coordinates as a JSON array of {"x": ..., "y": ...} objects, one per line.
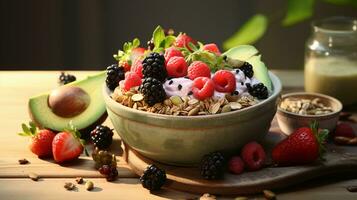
[
  {"x": 303, "y": 146},
  {"x": 40, "y": 141},
  {"x": 67, "y": 145}
]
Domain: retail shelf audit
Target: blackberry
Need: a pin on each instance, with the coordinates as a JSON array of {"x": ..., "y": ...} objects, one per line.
[
  {"x": 154, "y": 67},
  {"x": 213, "y": 165},
  {"x": 102, "y": 137},
  {"x": 110, "y": 172},
  {"x": 247, "y": 69},
  {"x": 66, "y": 78},
  {"x": 153, "y": 91},
  {"x": 102, "y": 157},
  {"x": 115, "y": 74},
  {"x": 258, "y": 90},
  {"x": 153, "y": 178}
]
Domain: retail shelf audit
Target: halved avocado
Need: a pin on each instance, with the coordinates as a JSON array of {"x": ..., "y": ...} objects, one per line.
[
  {"x": 94, "y": 113},
  {"x": 249, "y": 54}
]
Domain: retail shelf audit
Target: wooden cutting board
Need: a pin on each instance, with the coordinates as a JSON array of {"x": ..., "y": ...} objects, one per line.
[{"x": 338, "y": 160}]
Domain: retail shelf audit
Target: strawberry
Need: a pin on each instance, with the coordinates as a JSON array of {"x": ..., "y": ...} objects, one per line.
[
  {"x": 212, "y": 48},
  {"x": 136, "y": 53},
  {"x": 67, "y": 145},
  {"x": 41, "y": 140},
  {"x": 303, "y": 146},
  {"x": 183, "y": 40},
  {"x": 344, "y": 130}
]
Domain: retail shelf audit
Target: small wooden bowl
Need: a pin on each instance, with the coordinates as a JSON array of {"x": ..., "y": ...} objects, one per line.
[{"x": 289, "y": 122}]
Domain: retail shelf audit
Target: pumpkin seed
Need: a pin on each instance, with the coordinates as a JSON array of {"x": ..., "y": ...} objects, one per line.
[
  {"x": 176, "y": 100},
  {"x": 137, "y": 97},
  {"x": 235, "y": 105}
]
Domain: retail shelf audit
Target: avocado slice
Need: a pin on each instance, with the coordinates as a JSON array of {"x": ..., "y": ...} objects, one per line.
[
  {"x": 43, "y": 116},
  {"x": 249, "y": 54}
]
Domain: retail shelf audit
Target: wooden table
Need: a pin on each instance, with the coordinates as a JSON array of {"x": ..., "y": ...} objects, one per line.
[{"x": 17, "y": 86}]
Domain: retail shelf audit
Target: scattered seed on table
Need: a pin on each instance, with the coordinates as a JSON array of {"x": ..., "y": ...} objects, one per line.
[
  {"x": 79, "y": 180},
  {"x": 89, "y": 185},
  {"x": 207, "y": 196},
  {"x": 269, "y": 194},
  {"x": 33, "y": 176},
  {"x": 69, "y": 186},
  {"x": 23, "y": 161}
]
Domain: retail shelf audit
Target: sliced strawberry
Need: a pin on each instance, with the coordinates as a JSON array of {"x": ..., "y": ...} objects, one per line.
[
  {"x": 136, "y": 53},
  {"x": 41, "y": 140},
  {"x": 67, "y": 146}
]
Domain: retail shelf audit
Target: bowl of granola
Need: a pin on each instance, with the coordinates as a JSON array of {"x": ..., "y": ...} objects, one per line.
[
  {"x": 175, "y": 102},
  {"x": 299, "y": 109}
]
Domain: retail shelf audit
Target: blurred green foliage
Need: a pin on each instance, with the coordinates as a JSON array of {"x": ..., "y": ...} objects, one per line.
[{"x": 296, "y": 11}]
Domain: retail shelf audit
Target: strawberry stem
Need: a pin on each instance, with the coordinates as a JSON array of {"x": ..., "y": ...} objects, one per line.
[{"x": 321, "y": 136}]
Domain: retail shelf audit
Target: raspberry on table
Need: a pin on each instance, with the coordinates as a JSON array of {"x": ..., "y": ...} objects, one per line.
[
  {"x": 176, "y": 67},
  {"x": 253, "y": 156},
  {"x": 224, "y": 81},
  {"x": 131, "y": 80},
  {"x": 236, "y": 165},
  {"x": 202, "y": 88},
  {"x": 198, "y": 69}
]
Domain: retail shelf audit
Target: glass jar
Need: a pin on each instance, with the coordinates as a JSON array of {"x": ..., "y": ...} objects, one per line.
[{"x": 331, "y": 59}]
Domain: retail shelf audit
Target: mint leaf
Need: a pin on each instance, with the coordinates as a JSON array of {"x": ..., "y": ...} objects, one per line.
[
  {"x": 169, "y": 40},
  {"x": 158, "y": 36},
  {"x": 249, "y": 33},
  {"x": 136, "y": 43},
  {"x": 297, "y": 11},
  {"x": 26, "y": 129}
]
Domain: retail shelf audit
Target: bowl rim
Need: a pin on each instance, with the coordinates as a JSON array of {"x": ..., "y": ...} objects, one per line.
[
  {"x": 312, "y": 94},
  {"x": 276, "y": 83}
]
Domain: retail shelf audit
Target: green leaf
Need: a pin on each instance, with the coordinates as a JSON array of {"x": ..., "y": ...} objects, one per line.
[
  {"x": 297, "y": 11},
  {"x": 342, "y": 2},
  {"x": 136, "y": 43},
  {"x": 169, "y": 40},
  {"x": 158, "y": 36},
  {"x": 26, "y": 129},
  {"x": 126, "y": 46},
  {"x": 249, "y": 33},
  {"x": 23, "y": 134}
]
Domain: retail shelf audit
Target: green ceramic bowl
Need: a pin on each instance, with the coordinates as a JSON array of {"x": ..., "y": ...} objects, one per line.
[{"x": 183, "y": 140}]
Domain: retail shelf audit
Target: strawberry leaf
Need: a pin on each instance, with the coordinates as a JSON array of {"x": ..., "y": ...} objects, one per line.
[
  {"x": 25, "y": 129},
  {"x": 321, "y": 136}
]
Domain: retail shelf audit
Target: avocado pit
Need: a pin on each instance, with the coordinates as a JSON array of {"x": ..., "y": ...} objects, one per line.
[{"x": 68, "y": 101}]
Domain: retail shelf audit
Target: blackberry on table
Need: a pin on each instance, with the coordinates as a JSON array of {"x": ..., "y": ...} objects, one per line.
[
  {"x": 153, "y": 178},
  {"x": 247, "y": 69},
  {"x": 102, "y": 137},
  {"x": 153, "y": 91},
  {"x": 213, "y": 166},
  {"x": 258, "y": 90},
  {"x": 154, "y": 67},
  {"x": 115, "y": 74},
  {"x": 65, "y": 78}
]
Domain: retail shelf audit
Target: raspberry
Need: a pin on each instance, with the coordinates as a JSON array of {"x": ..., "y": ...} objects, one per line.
[
  {"x": 137, "y": 68},
  {"x": 202, "y": 88},
  {"x": 344, "y": 130},
  {"x": 176, "y": 67},
  {"x": 236, "y": 165},
  {"x": 171, "y": 52},
  {"x": 183, "y": 40},
  {"x": 253, "y": 155},
  {"x": 131, "y": 80},
  {"x": 224, "y": 81},
  {"x": 212, "y": 48},
  {"x": 198, "y": 69}
]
